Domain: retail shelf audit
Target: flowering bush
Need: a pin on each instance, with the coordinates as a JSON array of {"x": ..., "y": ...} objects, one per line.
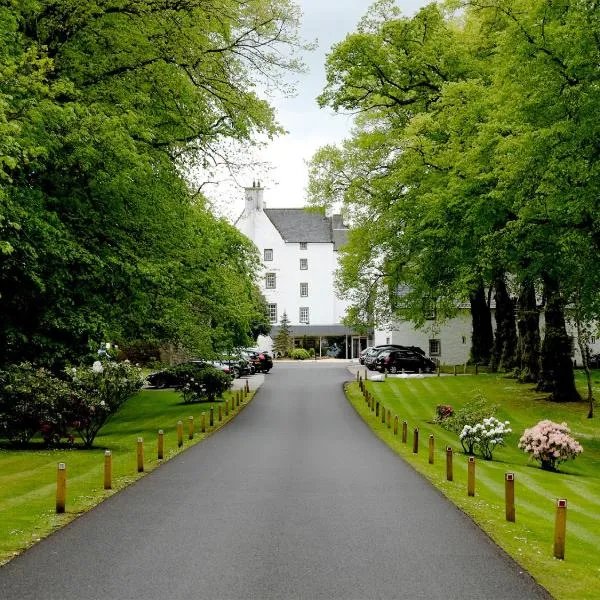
[
  {"x": 97, "y": 393},
  {"x": 442, "y": 412},
  {"x": 32, "y": 401},
  {"x": 486, "y": 436},
  {"x": 550, "y": 443},
  {"x": 204, "y": 384},
  {"x": 471, "y": 413}
]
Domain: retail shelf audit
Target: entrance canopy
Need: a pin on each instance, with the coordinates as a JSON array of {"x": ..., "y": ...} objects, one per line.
[{"x": 317, "y": 330}]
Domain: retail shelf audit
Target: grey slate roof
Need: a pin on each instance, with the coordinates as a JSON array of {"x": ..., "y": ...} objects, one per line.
[{"x": 301, "y": 225}]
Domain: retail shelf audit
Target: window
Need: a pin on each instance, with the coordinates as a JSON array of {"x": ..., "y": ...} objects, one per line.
[
  {"x": 268, "y": 253},
  {"x": 303, "y": 246},
  {"x": 304, "y": 290},
  {"x": 273, "y": 313},
  {"x": 270, "y": 281},
  {"x": 304, "y": 314},
  {"x": 387, "y": 340},
  {"x": 435, "y": 347},
  {"x": 303, "y": 264}
]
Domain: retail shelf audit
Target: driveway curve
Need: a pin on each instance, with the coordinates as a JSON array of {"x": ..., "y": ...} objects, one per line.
[{"x": 293, "y": 499}]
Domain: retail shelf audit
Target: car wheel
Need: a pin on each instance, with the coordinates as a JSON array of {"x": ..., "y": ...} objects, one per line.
[{"x": 393, "y": 369}]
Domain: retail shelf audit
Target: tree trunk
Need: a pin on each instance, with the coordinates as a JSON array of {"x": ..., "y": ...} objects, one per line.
[
  {"x": 557, "y": 367},
  {"x": 482, "y": 339},
  {"x": 584, "y": 348},
  {"x": 528, "y": 325},
  {"x": 505, "y": 341}
]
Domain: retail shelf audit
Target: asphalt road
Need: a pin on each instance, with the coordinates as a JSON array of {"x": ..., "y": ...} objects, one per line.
[{"x": 296, "y": 498}]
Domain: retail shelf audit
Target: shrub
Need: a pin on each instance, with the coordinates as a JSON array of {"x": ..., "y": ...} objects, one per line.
[
  {"x": 204, "y": 384},
  {"x": 311, "y": 352},
  {"x": 470, "y": 414},
  {"x": 299, "y": 354},
  {"x": 442, "y": 412},
  {"x": 97, "y": 393},
  {"x": 32, "y": 401},
  {"x": 550, "y": 443},
  {"x": 486, "y": 436}
]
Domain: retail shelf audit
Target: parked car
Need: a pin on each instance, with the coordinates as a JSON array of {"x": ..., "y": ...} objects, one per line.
[
  {"x": 262, "y": 361},
  {"x": 395, "y": 361}
]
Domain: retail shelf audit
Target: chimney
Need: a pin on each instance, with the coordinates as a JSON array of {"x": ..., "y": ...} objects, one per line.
[{"x": 254, "y": 197}]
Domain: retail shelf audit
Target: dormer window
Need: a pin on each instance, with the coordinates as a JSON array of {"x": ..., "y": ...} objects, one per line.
[{"x": 303, "y": 246}]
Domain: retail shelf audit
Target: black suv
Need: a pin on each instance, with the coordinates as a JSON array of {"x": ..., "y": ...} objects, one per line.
[{"x": 396, "y": 360}]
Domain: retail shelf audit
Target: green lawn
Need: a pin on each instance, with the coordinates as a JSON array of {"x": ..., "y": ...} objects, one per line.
[
  {"x": 28, "y": 477},
  {"x": 530, "y": 538}
]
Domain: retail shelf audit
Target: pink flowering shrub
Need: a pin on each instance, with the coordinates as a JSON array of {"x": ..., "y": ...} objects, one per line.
[{"x": 550, "y": 443}]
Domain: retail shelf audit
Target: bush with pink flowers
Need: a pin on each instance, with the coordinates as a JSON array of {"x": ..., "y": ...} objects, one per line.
[{"x": 550, "y": 443}]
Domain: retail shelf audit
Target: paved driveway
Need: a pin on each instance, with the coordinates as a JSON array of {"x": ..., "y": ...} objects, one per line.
[{"x": 294, "y": 499}]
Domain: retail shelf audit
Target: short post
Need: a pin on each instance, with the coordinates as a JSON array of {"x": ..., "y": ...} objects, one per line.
[
  {"x": 471, "y": 477},
  {"x": 203, "y": 422},
  {"x": 107, "y": 469},
  {"x": 179, "y": 434},
  {"x": 190, "y": 428},
  {"x": 389, "y": 418},
  {"x": 509, "y": 496},
  {"x": 247, "y": 387},
  {"x": 377, "y": 408},
  {"x": 382, "y": 413},
  {"x": 372, "y": 401},
  {"x": 454, "y": 369},
  {"x": 431, "y": 448},
  {"x": 439, "y": 369},
  {"x": 404, "y": 431},
  {"x": 219, "y": 413},
  {"x": 449, "y": 470},
  {"x": 237, "y": 402},
  {"x": 416, "y": 440},
  {"x": 61, "y": 487},
  {"x": 476, "y": 369},
  {"x": 366, "y": 375},
  {"x": 140, "y": 455},
  {"x": 465, "y": 369},
  {"x": 211, "y": 418},
  {"x": 396, "y": 425},
  {"x": 227, "y": 407},
  {"x": 360, "y": 384},
  {"x": 357, "y": 375},
  {"x": 161, "y": 444},
  {"x": 560, "y": 529}
]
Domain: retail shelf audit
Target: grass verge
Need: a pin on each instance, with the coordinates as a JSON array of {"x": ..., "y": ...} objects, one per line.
[
  {"x": 28, "y": 477},
  {"x": 530, "y": 539}
]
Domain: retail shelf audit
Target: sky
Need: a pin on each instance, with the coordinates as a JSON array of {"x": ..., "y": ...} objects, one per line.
[{"x": 309, "y": 127}]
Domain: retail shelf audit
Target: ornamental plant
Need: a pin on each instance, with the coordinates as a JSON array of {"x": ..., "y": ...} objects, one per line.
[
  {"x": 97, "y": 393},
  {"x": 485, "y": 436},
  {"x": 443, "y": 412},
  {"x": 204, "y": 384},
  {"x": 550, "y": 443},
  {"x": 471, "y": 413}
]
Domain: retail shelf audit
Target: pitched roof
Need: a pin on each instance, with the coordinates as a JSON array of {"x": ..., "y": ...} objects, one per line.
[{"x": 301, "y": 225}]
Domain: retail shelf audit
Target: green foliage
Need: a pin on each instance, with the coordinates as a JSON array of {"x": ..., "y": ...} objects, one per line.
[
  {"x": 299, "y": 354},
  {"x": 282, "y": 344},
  {"x": 204, "y": 384}
]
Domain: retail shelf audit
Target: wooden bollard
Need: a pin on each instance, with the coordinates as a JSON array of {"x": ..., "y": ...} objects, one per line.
[
  {"x": 211, "y": 418},
  {"x": 360, "y": 384},
  {"x": 471, "y": 477},
  {"x": 357, "y": 375},
  {"x": 237, "y": 401},
  {"x": 227, "y": 407},
  {"x": 61, "y": 487},
  {"x": 439, "y": 369},
  {"x": 509, "y": 496},
  {"x": 219, "y": 413},
  {"x": 560, "y": 529},
  {"x": 465, "y": 369},
  {"x": 404, "y": 432},
  {"x": 454, "y": 369},
  {"x": 161, "y": 444},
  {"x": 140, "y": 455},
  {"x": 396, "y": 425},
  {"x": 190, "y": 428},
  {"x": 416, "y": 441},
  {"x": 431, "y": 448},
  {"x": 377, "y": 408},
  {"x": 107, "y": 469},
  {"x": 179, "y": 434},
  {"x": 247, "y": 387},
  {"x": 389, "y": 418},
  {"x": 476, "y": 369},
  {"x": 383, "y": 413},
  {"x": 366, "y": 375},
  {"x": 203, "y": 422},
  {"x": 449, "y": 468}
]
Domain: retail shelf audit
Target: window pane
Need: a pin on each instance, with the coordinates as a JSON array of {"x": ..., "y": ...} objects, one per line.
[
  {"x": 270, "y": 281},
  {"x": 304, "y": 264},
  {"x": 434, "y": 347},
  {"x": 304, "y": 290},
  {"x": 303, "y": 246},
  {"x": 268, "y": 253},
  {"x": 304, "y": 314},
  {"x": 273, "y": 313}
]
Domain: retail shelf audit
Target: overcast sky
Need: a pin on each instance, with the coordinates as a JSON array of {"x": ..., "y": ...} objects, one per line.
[{"x": 309, "y": 127}]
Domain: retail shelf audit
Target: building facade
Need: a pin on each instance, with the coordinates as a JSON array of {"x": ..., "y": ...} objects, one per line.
[{"x": 299, "y": 252}]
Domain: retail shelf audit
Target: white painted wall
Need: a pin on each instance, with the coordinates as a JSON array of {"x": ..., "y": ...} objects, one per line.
[{"x": 325, "y": 308}]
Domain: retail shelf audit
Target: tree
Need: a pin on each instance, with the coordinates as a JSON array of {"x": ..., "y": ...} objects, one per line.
[{"x": 283, "y": 340}]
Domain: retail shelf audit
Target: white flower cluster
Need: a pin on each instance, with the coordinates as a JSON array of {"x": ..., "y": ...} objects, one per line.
[{"x": 486, "y": 436}]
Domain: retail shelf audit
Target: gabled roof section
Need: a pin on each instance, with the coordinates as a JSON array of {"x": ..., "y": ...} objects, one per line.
[{"x": 301, "y": 225}]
